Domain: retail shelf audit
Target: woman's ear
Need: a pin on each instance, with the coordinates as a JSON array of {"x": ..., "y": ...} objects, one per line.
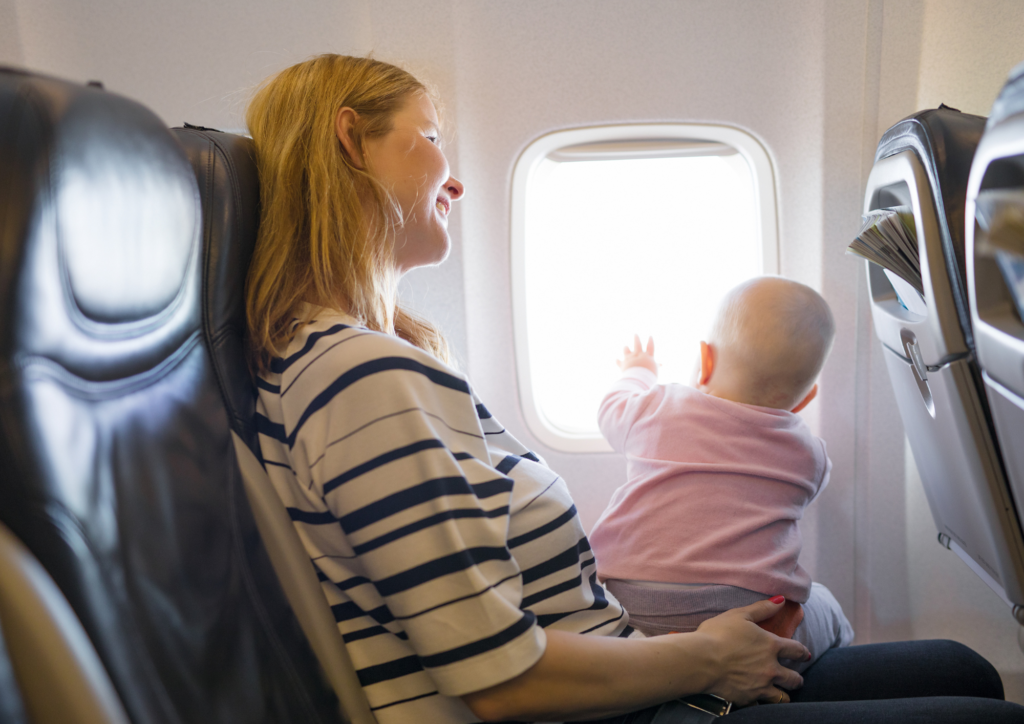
[
  {"x": 344, "y": 127},
  {"x": 707, "y": 364},
  {"x": 807, "y": 400}
]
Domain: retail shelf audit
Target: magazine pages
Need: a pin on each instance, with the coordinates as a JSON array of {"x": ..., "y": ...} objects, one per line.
[{"x": 888, "y": 238}]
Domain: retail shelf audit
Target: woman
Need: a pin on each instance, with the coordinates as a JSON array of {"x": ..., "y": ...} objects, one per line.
[{"x": 452, "y": 557}]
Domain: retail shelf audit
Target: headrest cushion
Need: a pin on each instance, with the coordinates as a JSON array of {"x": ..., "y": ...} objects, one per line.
[
  {"x": 102, "y": 230},
  {"x": 126, "y": 209},
  {"x": 1011, "y": 98}
]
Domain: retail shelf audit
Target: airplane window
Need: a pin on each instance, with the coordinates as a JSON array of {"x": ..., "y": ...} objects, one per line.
[{"x": 627, "y": 230}]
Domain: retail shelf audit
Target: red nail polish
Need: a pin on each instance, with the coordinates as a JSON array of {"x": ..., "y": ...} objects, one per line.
[{"x": 777, "y": 599}]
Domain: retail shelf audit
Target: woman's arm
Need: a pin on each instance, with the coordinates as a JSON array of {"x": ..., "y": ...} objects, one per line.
[{"x": 585, "y": 677}]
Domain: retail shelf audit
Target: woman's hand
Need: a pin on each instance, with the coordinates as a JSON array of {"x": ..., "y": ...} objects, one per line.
[
  {"x": 747, "y": 657},
  {"x": 638, "y": 356},
  {"x": 591, "y": 677}
]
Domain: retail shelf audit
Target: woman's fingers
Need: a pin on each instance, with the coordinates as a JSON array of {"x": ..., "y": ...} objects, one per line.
[
  {"x": 774, "y": 696},
  {"x": 795, "y": 650},
  {"x": 788, "y": 679}
]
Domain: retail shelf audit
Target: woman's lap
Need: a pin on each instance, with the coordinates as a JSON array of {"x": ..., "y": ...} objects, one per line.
[
  {"x": 900, "y": 669},
  {"x": 903, "y": 682}
]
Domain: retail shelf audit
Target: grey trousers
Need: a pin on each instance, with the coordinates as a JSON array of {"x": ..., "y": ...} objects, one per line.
[{"x": 656, "y": 609}]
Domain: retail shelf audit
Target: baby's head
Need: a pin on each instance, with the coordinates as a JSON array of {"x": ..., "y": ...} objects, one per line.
[{"x": 768, "y": 344}]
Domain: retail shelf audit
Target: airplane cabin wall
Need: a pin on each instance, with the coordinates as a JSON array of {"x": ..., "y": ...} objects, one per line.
[{"x": 816, "y": 82}]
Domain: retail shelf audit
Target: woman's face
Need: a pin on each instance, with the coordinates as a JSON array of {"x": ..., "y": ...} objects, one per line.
[{"x": 409, "y": 162}]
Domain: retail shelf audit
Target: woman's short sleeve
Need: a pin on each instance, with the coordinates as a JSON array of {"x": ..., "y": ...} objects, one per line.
[{"x": 383, "y": 465}]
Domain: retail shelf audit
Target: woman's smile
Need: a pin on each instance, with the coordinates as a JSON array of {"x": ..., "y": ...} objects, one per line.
[{"x": 408, "y": 161}]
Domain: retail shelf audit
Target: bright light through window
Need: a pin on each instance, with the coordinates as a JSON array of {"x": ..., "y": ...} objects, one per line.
[{"x": 613, "y": 246}]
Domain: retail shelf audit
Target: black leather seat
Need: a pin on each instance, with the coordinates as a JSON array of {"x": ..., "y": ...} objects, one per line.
[
  {"x": 116, "y": 459},
  {"x": 923, "y": 162},
  {"x": 229, "y": 191}
]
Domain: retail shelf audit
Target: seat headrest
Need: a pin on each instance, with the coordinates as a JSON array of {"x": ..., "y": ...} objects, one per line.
[
  {"x": 102, "y": 210},
  {"x": 226, "y": 171},
  {"x": 1011, "y": 98},
  {"x": 944, "y": 139}
]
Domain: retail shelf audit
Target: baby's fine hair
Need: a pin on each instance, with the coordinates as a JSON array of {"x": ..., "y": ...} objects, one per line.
[{"x": 774, "y": 334}]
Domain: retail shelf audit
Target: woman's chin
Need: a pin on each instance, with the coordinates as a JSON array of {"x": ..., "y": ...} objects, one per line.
[{"x": 432, "y": 257}]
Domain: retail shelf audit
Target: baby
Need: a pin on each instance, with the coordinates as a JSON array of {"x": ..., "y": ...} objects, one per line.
[{"x": 718, "y": 476}]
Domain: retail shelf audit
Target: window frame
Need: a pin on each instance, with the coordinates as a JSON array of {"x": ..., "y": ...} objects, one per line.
[{"x": 763, "y": 176}]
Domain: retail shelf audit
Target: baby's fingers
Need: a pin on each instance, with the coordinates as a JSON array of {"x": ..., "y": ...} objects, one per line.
[
  {"x": 650, "y": 346},
  {"x": 637, "y": 347}
]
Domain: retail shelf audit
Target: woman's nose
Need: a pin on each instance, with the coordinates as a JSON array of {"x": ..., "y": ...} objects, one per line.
[{"x": 454, "y": 188}]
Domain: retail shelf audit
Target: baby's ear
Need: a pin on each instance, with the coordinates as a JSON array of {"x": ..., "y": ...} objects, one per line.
[
  {"x": 707, "y": 363},
  {"x": 807, "y": 400}
]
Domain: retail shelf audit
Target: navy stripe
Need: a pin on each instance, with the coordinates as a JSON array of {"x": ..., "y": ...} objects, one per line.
[
  {"x": 321, "y": 576},
  {"x": 566, "y": 559},
  {"x": 311, "y": 517},
  {"x": 544, "y": 529},
  {"x": 271, "y": 429},
  {"x": 546, "y": 619},
  {"x": 506, "y": 465},
  {"x": 539, "y": 495},
  {"x": 366, "y": 633},
  {"x": 482, "y": 412},
  {"x": 611, "y": 620},
  {"x": 427, "y": 523},
  {"x": 600, "y": 600},
  {"x": 626, "y": 632},
  {"x": 461, "y": 653},
  {"x": 311, "y": 362},
  {"x": 402, "y": 500},
  {"x": 264, "y": 385},
  {"x": 276, "y": 464},
  {"x": 600, "y": 603},
  {"x": 492, "y": 487},
  {"x": 384, "y": 459},
  {"x": 352, "y": 582},
  {"x": 278, "y": 365},
  {"x": 547, "y": 593},
  {"x": 349, "y": 610},
  {"x": 403, "y": 701},
  {"x": 383, "y": 364},
  {"x": 494, "y": 585},
  {"x": 457, "y": 456},
  {"x": 530, "y": 456},
  {"x": 391, "y": 670},
  {"x": 442, "y": 566}
]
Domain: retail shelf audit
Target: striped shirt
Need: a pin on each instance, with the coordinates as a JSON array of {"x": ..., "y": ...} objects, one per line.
[{"x": 444, "y": 546}]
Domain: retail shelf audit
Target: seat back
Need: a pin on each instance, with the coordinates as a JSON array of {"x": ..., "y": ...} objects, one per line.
[
  {"x": 118, "y": 467},
  {"x": 923, "y": 162},
  {"x": 229, "y": 190},
  {"x": 995, "y": 266}
]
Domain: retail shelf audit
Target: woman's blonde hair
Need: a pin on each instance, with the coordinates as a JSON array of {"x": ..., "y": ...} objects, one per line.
[{"x": 318, "y": 243}]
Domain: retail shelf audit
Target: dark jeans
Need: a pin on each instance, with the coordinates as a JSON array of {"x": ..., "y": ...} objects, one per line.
[{"x": 906, "y": 682}]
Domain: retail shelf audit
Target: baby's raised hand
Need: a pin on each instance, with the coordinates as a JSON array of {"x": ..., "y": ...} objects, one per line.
[{"x": 638, "y": 356}]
